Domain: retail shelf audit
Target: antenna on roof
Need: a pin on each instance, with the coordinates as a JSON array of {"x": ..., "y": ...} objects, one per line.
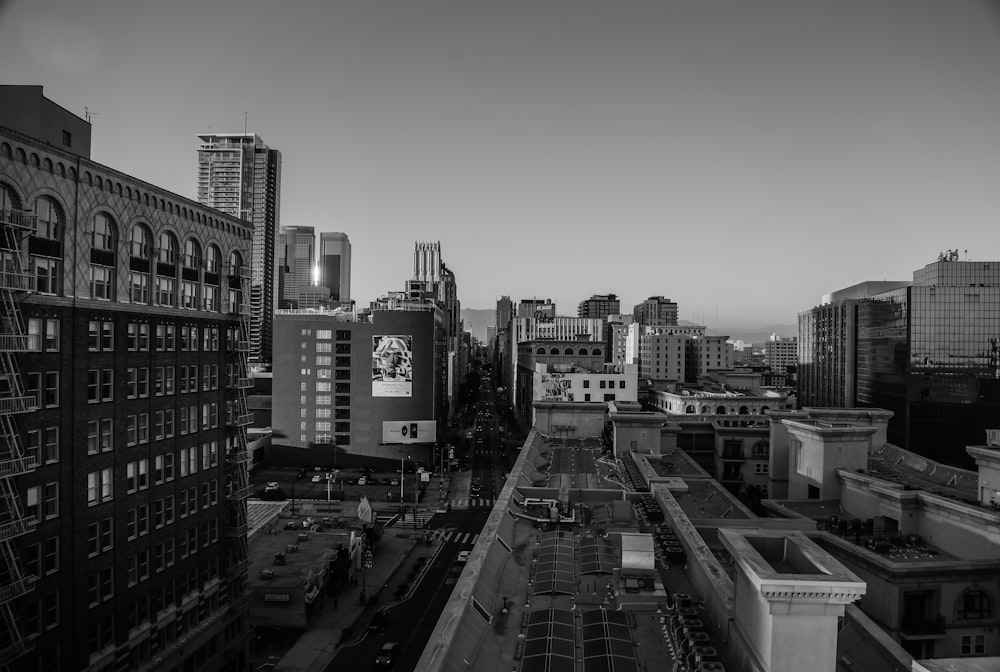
[
  {"x": 88, "y": 114},
  {"x": 244, "y": 123}
]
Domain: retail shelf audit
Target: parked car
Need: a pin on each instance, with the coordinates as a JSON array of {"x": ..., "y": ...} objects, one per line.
[
  {"x": 272, "y": 486},
  {"x": 317, "y": 479},
  {"x": 463, "y": 556},
  {"x": 363, "y": 480},
  {"x": 387, "y": 654}
]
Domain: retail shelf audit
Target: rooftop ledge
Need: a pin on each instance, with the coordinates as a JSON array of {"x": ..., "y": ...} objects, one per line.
[{"x": 787, "y": 565}]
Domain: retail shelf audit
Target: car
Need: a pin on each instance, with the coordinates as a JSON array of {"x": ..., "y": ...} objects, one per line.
[
  {"x": 271, "y": 486},
  {"x": 463, "y": 556},
  {"x": 393, "y": 481},
  {"x": 373, "y": 480},
  {"x": 387, "y": 654},
  {"x": 363, "y": 480},
  {"x": 317, "y": 479}
]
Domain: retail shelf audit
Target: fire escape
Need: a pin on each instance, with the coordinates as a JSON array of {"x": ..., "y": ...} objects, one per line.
[
  {"x": 15, "y": 283},
  {"x": 238, "y": 486}
]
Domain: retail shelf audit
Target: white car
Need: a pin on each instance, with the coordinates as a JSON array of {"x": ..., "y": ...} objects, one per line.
[
  {"x": 271, "y": 486},
  {"x": 463, "y": 556},
  {"x": 317, "y": 479}
]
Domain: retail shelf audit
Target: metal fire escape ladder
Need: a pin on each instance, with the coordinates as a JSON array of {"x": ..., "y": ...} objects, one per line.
[
  {"x": 15, "y": 283},
  {"x": 237, "y": 458}
]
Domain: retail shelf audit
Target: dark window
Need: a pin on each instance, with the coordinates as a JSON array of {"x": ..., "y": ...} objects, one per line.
[{"x": 67, "y": 138}]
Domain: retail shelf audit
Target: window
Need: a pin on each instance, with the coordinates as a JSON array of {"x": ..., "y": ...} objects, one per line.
[
  {"x": 50, "y": 555},
  {"x": 50, "y": 500},
  {"x": 49, "y": 445},
  {"x": 100, "y": 385},
  {"x": 138, "y": 287},
  {"x": 46, "y": 272},
  {"x": 102, "y": 233},
  {"x": 102, "y": 283},
  {"x": 100, "y": 336},
  {"x": 50, "y": 391},
  {"x": 974, "y": 605},
  {"x": 166, "y": 253},
  {"x": 973, "y": 645},
  {"x": 165, "y": 289},
  {"x": 189, "y": 294},
  {"x": 98, "y": 487},
  {"x": 586, "y": 384},
  {"x": 760, "y": 468},
  {"x": 139, "y": 242},
  {"x": 99, "y": 436},
  {"x": 48, "y": 219}
]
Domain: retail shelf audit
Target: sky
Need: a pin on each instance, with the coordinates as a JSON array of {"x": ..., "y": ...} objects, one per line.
[{"x": 741, "y": 158}]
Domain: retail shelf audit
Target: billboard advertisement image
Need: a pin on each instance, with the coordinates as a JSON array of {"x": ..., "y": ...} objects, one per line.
[
  {"x": 392, "y": 366},
  {"x": 409, "y": 431}
]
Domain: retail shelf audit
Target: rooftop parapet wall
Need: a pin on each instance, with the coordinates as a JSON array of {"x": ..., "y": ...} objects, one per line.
[{"x": 788, "y": 596}]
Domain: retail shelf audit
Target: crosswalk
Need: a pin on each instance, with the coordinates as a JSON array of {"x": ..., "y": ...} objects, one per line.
[
  {"x": 407, "y": 519},
  {"x": 456, "y": 536},
  {"x": 475, "y": 501}
]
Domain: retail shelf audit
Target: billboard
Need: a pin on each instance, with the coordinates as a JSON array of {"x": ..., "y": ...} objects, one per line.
[
  {"x": 555, "y": 387},
  {"x": 392, "y": 366},
  {"x": 409, "y": 431}
]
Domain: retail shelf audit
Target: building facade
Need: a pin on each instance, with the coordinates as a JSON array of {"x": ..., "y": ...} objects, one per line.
[
  {"x": 296, "y": 263},
  {"x": 335, "y": 264},
  {"x": 344, "y": 388},
  {"x": 241, "y": 176},
  {"x": 124, "y": 415},
  {"x": 599, "y": 306},
  {"x": 656, "y": 311}
]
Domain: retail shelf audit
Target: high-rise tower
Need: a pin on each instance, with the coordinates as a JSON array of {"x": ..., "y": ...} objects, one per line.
[
  {"x": 241, "y": 176},
  {"x": 296, "y": 263},
  {"x": 335, "y": 264}
]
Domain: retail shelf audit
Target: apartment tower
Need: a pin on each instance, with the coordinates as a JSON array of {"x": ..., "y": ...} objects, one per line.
[{"x": 241, "y": 176}]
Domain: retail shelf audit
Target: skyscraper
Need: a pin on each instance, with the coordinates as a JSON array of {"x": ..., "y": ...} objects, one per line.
[
  {"x": 599, "y": 305},
  {"x": 929, "y": 351},
  {"x": 123, "y": 519},
  {"x": 335, "y": 264},
  {"x": 656, "y": 311},
  {"x": 241, "y": 176},
  {"x": 296, "y": 263}
]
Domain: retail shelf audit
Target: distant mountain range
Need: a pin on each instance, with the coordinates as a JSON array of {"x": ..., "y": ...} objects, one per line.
[{"x": 476, "y": 320}]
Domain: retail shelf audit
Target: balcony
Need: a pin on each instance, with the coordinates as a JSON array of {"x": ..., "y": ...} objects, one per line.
[
  {"x": 239, "y": 493},
  {"x": 238, "y": 419},
  {"x": 237, "y": 457},
  {"x": 244, "y": 383},
  {"x": 922, "y": 627},
  {"x": 17, "y": 588},
  {"x": 242, "y": 346},
  {"x": 17, "y": 282},
  {"x": 17, "y": 466},
  {"x": 13, "y": 343},
  {"x": 16, "y": 528},
  {"x": 17, "y": 648},
  {"x": 236, "y": 271},
  {"x": 21, "y": 219},
  {"x": 18, "y": 404},
  {"x": 236, "y": 529}
]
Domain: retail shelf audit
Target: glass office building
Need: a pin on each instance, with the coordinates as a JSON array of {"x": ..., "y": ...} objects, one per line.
[{"x": 929, "y": 353}]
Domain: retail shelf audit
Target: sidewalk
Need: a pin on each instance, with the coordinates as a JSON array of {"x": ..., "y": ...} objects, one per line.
[{"x": 343, "y": 617}]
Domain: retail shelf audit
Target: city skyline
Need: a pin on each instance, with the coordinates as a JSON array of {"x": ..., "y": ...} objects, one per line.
[{"x": 755, "y": 158}]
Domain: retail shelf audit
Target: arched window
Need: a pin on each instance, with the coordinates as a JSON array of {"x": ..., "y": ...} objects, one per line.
[
  {"x": 8, "y": 201},
  {"x": 706, "y": 409},
  {"x": 46, "y": 252},
  {"x": 689, "y": 409},
  {"x": 166, "y": 251},
  {"x": 744, "y": 410},
  {"x": 554, "y": 351},
  {"x": 234, "y": 293},
  {"x": 140, "y": 242},
  {"x": 720, "y": 410},
  {"x": 763, "y": 410},
  {"x": 596, "y": 352},
  {"x": 973, "y": 605},
  {"x": 540, "y": 351},
  {"x": 568, "y": 351},
  {"x": 102, "y": 233},
  {"x": 103, "y": 242},
  {"x": 192, "y": 254},
  {"x": 212, "y": 259},
  {"x": 583, "y": 351}
]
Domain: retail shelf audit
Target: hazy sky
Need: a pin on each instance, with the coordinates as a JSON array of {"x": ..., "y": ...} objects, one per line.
[{"x": 742, "y": 158}]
